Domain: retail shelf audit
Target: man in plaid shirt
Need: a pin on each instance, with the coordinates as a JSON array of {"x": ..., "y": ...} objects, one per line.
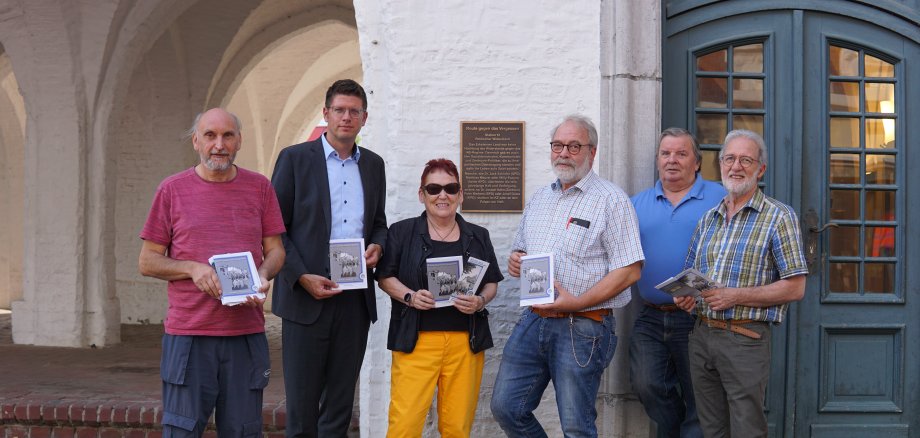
[
  {"x": 590, "y": 227},
  {"x": 751, "y": 245}
]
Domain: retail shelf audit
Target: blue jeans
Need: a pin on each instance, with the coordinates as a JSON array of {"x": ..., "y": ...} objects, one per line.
[
  {"x": 660, "y": 371},
  {"x": 573, "y": 353}
]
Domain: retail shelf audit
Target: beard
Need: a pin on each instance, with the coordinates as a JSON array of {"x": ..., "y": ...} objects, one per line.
[
  {"x": 738, "y": 188},
  {"x": 567, "y": 171},
  {"x": 219, "y": 166}
]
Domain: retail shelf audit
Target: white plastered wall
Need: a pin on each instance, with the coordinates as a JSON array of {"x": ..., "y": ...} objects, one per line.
[{"x": 430, "y": 65}]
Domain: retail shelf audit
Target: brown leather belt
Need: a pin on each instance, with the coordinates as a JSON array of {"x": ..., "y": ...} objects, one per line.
[
  {"x": 732, "y": 325},
  {"x": 667, "y": 308},
  {"x": 596, "y": 315}
]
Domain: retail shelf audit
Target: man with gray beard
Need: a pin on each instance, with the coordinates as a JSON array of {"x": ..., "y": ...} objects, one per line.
[
  {"x": 590, "y": 227},
  {"x": 751, "y": 245}
]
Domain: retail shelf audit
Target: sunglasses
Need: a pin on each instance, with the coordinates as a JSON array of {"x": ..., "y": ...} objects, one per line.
[{"x": 435, "y": 189}]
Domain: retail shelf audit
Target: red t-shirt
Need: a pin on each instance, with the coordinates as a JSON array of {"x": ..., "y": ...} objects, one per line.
[{"x": 196, "y": 219}]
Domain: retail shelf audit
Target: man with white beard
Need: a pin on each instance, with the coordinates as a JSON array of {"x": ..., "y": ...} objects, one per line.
[
  {"x": 751, "y": 245},
  {"x": 590, "y": 227}
]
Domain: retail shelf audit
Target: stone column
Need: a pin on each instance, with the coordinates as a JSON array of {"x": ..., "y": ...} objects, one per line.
[{"x": 629, "y": 126}]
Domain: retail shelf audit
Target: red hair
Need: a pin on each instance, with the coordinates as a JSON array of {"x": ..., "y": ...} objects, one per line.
[{"x": 443, "y": 165}]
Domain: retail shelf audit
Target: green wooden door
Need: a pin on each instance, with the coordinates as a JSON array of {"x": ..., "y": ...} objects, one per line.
[{"x": 836, "y": 96}]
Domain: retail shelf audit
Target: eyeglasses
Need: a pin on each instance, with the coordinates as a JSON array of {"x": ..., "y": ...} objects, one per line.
[
  {"x": 435, "y": 189},
  {"x": 340, "y": 111},
  {"x": 729, "y": 161},
  {"x": 574, "y": 147}
]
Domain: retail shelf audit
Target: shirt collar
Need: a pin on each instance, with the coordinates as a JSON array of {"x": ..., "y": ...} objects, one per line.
[
  {"x": 582, "y": 185},
  {"x": 696, "y": 190},
  {"x": 329, "y": 151},
  {"x": 756, "y": 203}
]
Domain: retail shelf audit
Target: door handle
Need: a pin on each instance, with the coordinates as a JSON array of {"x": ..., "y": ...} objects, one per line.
[
  {"x": 811, "y": 238},
  {"x": 815, "y": 229}
]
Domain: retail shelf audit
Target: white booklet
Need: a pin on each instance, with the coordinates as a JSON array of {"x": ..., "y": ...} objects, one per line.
[
  {"x": 689, "y": 282},
  {"x": 537, "y": 279},
  {"x": 443, "y": 275},
  {"x": 347, "y": 266},
  {"x": 473, "y": 272},
  {"x": 238, "y": 277}
]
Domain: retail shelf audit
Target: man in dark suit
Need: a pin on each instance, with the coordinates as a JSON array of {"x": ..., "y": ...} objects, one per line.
[{"x": 328, "y": 188}]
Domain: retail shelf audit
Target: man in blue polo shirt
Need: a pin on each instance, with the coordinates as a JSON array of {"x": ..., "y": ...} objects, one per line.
[{"x": 668, "y": 214}]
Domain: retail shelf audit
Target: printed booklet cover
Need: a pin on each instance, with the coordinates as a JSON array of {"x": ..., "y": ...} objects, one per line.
[
  {"x": 537, "y": 279},
  {"x": 443, "y": 279},
  {"x": 473, "y": 272},
  {"x": 346, "y": 263},
  {"x": 689, "y": 282},
  {"x": 238, "y": 277}
]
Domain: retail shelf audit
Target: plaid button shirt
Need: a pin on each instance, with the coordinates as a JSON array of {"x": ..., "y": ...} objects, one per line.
[
  {"x": 604, "y": 236},
  {"x": 759, "y": 245}
]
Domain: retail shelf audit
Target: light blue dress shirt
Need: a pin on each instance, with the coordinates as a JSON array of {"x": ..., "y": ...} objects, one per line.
[
  {"x": 665, "y": 231},
  {"x": 346, "y": 195}
]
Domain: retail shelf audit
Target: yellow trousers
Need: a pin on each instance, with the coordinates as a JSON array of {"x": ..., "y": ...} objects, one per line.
[{"x": 441, "y": 359}]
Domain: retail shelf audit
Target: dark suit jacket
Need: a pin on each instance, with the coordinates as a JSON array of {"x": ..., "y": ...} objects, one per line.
[{"x": 302, "y": 185}]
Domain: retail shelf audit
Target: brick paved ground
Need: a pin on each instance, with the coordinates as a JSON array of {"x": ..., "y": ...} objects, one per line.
[{"x": 101, "y": 392}]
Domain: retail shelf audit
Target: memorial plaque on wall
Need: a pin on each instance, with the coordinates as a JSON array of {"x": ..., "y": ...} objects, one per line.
[{"x": 492, "y": 166}]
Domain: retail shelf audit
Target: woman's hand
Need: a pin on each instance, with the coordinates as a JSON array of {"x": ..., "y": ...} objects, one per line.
[
  {"x": 469, "y": 304},
  {"x": 422, "y": 300}
]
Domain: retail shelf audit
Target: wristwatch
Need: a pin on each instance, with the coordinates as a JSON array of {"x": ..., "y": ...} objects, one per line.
[{"x": 408, "y": 297}]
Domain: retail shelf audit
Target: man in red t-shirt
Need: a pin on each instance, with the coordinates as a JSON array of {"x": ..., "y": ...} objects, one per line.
[{"x": 214, "y": 356}]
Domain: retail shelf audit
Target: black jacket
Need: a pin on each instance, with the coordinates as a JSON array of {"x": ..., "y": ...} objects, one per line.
[
  {"x": 408, "y": 246},
  {"x": 302, "y": 185}
]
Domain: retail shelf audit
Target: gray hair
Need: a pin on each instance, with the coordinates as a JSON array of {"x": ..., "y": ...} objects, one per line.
[
  {"x": 750, "y": 135},
  {"x": 681, "y": 132},
  {"x": 582, "y": 121},
  {"x": 191, "y": 131}
]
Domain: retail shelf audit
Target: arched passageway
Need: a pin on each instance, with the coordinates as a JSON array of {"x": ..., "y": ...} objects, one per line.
[{"x": 12, "y": 132}]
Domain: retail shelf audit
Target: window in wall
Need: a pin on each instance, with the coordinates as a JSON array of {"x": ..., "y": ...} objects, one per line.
[
  {"x": 729, "y": 94},
  {"x": 863, "y": 160}
]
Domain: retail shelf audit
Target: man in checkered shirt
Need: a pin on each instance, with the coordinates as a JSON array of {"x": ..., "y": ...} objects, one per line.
[
  {"x": 750, "y": 244},
  {"x": 590, "y": 227}
]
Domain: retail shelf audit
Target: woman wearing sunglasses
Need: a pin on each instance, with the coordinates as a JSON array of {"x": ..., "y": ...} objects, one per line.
[{"x": 436, "y": 347}]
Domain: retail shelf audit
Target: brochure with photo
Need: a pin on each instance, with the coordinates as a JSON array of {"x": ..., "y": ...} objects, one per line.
[
  {"x": 689, "y": 282},
  {"x": 473, "y": 272},
  {"x": 537, "y": 279},
  {"x": 347, "y": 266},
  {"x": 443, "y": 275},
  {"x": 238, "y": 277}
]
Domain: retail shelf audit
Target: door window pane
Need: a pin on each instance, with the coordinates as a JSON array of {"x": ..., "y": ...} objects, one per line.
[
  {"x": 843, "y": 62},
  {"x": 845, "y": 96},
  {"x": 712, "y": 93},
  {"x": 711, "y": 128},
  {"x": 880, "y": 242},
  {"x": 879, "y": 98},
  {"x": 747, "y": 93},
  {"x": 709, "y": 168},
  {"x": 862, "y": 154},
  {"x": 845, "y": 168},
  {"x": 879, "y": 205},
  {"x": 880, "y": 169},
  {"x": 844, "y": 277},
  {"x": 844, "y": 241},
  {"x": 879, "y": 278},
  {"x": 715, "y": 61},
  {"x": 845, "y": 204},
  {"x": 876, "y": 68},
  {"x": 844, "y": 132},
  {"x": 748, "y": 58},
  {"x": 748, "y": 121},
  {"x": 880, "y": 133}
]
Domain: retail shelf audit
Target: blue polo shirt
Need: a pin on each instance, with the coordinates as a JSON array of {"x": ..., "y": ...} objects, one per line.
[{"x": 665, "y": 232}]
